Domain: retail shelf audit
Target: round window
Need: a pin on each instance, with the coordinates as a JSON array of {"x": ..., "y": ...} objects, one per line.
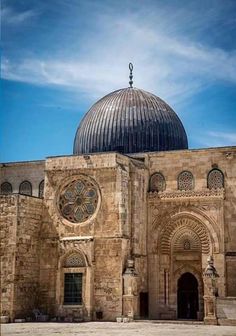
[{"x": 78, "y": 200}]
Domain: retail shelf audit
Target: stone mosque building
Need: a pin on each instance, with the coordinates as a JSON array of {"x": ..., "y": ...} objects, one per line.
[{"x": 132, "y": 224}]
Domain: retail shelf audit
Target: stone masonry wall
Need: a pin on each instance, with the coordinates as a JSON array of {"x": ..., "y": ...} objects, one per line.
[
  {"x": 226, "y": 311},
  {"x": 21, "y": 222},
  {"x": 139, "y": 185},
  {"x": 8, "y": 224},
  {"x": 200, "y": 162},
  {"x": 15, "y": 173},
  {"x": 108, "y": 277},
  {"x": 106, "y": 229}
]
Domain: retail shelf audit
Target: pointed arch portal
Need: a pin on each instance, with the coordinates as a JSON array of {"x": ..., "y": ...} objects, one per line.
[{"x": 187, "y": 297}]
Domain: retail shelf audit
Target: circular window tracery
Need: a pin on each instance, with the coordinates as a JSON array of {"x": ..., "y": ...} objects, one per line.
[{"x": 78, "y": 200}]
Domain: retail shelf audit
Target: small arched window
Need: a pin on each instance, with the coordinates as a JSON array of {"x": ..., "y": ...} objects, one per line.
[
  {"x": 215, "y": 179},
  {"x": 25, "y": 188},
  {"x": 75, "y": 260},
  {"x": 6, "y": 188},
  {"x": 185, "y": 181},
  {"x": 41, "y": 189},
  {"x": 187, "y": 245},
  {"x": 157, "y": 182}
]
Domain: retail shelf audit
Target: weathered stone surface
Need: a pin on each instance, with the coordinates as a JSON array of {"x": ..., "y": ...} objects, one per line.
[
  {"x": 17, "y": 172},
  {"x": 20, "y": 219},
  {"x": 166, "y": 234}
]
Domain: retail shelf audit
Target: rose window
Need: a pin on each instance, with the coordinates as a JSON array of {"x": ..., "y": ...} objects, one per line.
[{"x": 78, "y": 201}]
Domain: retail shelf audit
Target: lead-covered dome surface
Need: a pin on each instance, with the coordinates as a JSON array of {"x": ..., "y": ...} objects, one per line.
[{"x": 130, "y": 120}]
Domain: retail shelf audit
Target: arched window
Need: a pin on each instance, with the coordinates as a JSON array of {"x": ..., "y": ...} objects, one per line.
[
  {"x": 185, "y": 181},
  {"x": 41, "y": 189},
  {"x": 74, "y": 277},
  {"x": 215, "y": 179},
  {"x": 25, "y": 188},
  {"x": 6, "y": 188},
  {"x": 157, "y": 182}
]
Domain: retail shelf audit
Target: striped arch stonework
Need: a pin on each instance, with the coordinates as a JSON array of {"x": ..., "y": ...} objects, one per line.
[{"x": 184, "y": 226}]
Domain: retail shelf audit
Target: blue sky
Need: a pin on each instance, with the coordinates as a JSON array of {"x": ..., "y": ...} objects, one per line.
[{"x": 60, "y": 56}]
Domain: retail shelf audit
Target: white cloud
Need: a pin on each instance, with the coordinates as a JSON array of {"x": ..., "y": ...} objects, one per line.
[
  {"x": 11, "y": 17},
  {"x": 218, "y": 139},
  {"x": 168, "y": 64}
]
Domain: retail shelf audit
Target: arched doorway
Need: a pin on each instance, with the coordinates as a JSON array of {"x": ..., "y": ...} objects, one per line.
[{"x": 188, "y": 304}]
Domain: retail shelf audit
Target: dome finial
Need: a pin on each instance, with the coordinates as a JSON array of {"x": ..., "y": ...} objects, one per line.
[{"x": 131, "y": 75}]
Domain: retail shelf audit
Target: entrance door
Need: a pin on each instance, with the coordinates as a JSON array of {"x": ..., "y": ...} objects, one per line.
[
  {"x": 188, "y": 304},
  {"x": 143, "y": 299}
]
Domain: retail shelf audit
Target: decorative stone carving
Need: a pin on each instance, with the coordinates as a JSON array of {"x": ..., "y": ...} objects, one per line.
[
  {"x": 78, "y": 200},
  {"x": 130, "y": 293},
  {"x": 187, "y": 245},
  {"x": 210, "y": 276},
  {"x": 181, "y": 226},
  {"x": 185, "y": 181},
  {"x": 186, "y": 239},
  {"x": 210, "y": 271},
  {"x": 77, "y": 245},
  {"x": 75, "y": 260},
  {"x": 215, "y": 179},
  {"x": 212, "y": 193}
]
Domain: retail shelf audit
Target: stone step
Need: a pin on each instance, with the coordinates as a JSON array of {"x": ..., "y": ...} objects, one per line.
[{"x": 172, "y": 321}]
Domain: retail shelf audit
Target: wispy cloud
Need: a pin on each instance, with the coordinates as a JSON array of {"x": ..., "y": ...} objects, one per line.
[
  {"x": 165, "y": 62},
  {"x": 11, "y": 17},
  {"x": 217, "y": 139}
]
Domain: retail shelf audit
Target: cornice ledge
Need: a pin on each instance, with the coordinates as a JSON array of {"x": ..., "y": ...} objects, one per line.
[
  {"x": 76, "y": 238},
  {"x": 189, "y": 194}
]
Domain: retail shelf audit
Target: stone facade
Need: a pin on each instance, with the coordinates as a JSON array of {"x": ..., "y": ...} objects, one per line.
[
  {"x": 137, "y": 242},
  {"x": 20, "y": 221},
  {"x": 17, "y": 173}
]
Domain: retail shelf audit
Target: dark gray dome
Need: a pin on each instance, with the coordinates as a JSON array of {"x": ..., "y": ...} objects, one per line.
[{"x": 130, "y": 120}]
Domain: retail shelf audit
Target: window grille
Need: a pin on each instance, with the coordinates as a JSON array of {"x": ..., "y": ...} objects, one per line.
[
  {"x": 6, "y": 188},
  {"x": 74, "y": 260},
  {"x": 73, "y": 288},
  {"x": 25, "y": 188},
  {"x": 187, "y": 245},
  {"x": 157, "y": 182},
  {"x": 215, "y": 179},
  {"x": 41, "y": 189},
  {"x": 185, "y": 181}
]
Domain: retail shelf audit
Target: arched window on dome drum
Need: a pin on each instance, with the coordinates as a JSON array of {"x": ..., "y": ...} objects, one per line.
[
  {"x": 157, "y": 182},
  {"x": 25, "y": 188},
  {"x": 41, "y": 189},
  {"x": 185, "y": 181},
  {"x": 215, "y": 179},
  {"x": 6, "y": 188}
]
